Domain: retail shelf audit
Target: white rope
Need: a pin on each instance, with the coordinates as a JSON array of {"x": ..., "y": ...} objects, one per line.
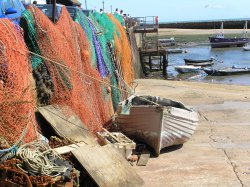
[{"x": 38, "y": 159}]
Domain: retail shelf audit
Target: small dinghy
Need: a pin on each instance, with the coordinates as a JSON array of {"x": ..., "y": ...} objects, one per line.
[
  {"x": 157, "y": 122},
  {"x": 202, "y": 63},
  {"x": 187, "y": 69}
]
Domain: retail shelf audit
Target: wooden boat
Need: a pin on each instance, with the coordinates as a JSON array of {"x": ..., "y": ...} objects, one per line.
[
  {"x": 157, "y": 122},
  {"x": 219, "y": 41},
  {"x": 188, "y": 60},
  {"x": 200, "y": 62},
  {"x": 187, "y": 69},
  {"x": 226, "y": 71}
]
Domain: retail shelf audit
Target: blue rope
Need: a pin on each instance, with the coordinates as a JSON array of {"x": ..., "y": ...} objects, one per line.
[{"x": 15, "y": 145}]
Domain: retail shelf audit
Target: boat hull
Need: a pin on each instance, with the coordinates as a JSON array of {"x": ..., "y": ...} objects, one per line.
[
  {"x": 197, "y": 61},
  {"x": 227, "y": 42},
  {"x": 187, "y": 69},
  {"x": 201, "y": 64},
  {"x": 158, "y": 126},
  {"x": 227, "y": 71},
  {"x": 174, "y": 51},
  {"x": 247, "y": 48}
]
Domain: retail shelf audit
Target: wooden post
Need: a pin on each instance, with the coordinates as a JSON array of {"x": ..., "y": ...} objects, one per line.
[
  {"x": 160, "y": 62},
  {"x": 150, "y": 62},
  {"x": 86, "y": 6},
  {"x": 54, "y": 11},
  {"x": 143, "y": 65},
  {"x": 164, "y": 71}
]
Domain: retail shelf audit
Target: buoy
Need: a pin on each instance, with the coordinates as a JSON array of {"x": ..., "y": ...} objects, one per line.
[{"x": 108, "y": 89}]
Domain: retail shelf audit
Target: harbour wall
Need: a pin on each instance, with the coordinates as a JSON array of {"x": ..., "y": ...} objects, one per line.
[{"x": 239, "y": 24}]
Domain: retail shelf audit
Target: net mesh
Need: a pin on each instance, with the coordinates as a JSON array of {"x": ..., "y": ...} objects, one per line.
[
  {"x": 16, "y": 98},
  {"x": 123, "y": 51},
  {"x": 71, "y": 63},
  {"x": 120, "y": 19},
  {"x": 69, "y": 50},
  {"x": 83, "y": 21},
  {"x": 107, "y": 52}
]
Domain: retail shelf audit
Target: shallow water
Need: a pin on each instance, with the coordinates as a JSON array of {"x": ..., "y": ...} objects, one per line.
[{"x": 230, "y": 57}]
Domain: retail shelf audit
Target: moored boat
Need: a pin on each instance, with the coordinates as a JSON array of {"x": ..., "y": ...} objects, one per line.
[
  {"x": 226, "y": 71},
  {"x": 219, "y": 41},
  {"x": 246, "y": 48},
  {"x": 199, "y": 62},
  {"x": 188, "y": 60},
  {"x": 166, "y": 42},
  {"x": 174, "y": 51},
  {"x": 157, "y": 122},
  {"x": 187, "y": 69}
]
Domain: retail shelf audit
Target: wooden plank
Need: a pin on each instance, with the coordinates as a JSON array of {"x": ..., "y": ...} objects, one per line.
[
  {"x": 68, "y": 148},
  {"x": 107, "y": 167},
  {"x": 70, "y": 126}
]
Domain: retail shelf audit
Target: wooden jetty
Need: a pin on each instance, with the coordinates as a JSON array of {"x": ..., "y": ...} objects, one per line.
[
  {"x": 149, "y": 53},
  {"x": 150, "y": 48}
]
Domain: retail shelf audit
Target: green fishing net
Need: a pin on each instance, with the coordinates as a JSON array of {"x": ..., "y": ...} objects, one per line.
[
  {"x": 83, "y": 21},
  {"x": 30, "y": 34},
  {"x": 120, "y": 19},
  {"x": 105, "y": 30}
]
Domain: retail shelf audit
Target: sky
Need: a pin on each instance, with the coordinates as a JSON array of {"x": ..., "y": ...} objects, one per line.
[{"x": 177, "y": 10}]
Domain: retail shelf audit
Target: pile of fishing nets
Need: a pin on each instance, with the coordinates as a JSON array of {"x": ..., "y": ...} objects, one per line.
[
  {"x": 66, "y": 55},
  {"x": 16, "y": 99},
  {"x": 86, "y": 64},
  {"x": 113, "y": 37}
]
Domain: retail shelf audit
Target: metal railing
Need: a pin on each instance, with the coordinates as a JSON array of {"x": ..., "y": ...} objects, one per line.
[{"x": 146, "y": 22}]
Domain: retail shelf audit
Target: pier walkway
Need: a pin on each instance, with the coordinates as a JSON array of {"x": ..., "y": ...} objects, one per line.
[{"x": 218, "y": 154}]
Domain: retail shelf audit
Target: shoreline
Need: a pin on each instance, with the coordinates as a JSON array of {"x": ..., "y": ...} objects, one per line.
[
  {"x": 196, "y": 31},
  {"x": 194, "y": 35}
]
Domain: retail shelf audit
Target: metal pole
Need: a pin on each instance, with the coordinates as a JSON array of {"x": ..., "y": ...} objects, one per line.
[
  {"x": 103, "y": 5},
  {"x": 54, "y": 11},
  {"x": 86, "y": 6},
  {"x": 111, "y": 9}
]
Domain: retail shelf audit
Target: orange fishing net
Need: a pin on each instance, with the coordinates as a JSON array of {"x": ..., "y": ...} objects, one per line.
[
  {"x": 123, "y": 51},
  {"x": 16, "y": 98},
  {"x": 67, "y": 47}
]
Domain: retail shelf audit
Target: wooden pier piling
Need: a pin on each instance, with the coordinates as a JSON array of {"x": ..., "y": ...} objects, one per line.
[{"x": 161, "y": 53}]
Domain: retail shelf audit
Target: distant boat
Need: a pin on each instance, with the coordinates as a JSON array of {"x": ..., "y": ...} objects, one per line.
[
  {"x": 227, "y": 71},
  {"x": 199, "y": 62},
  {"x": 176, "y": 50},
  {"x": 187, "y": 69},
  {"x": 166, "y": 42},
  {"x": 246, "y": 48},
  {"x": 156, "y": 121},
  {"x": 219, "y": 41}
]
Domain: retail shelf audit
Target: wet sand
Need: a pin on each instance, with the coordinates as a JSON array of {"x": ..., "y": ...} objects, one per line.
[
  {"x": 218, "y": 154},
  {"x": 175, "y": 32}
]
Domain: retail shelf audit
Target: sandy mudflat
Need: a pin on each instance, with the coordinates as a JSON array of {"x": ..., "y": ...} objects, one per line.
[
  {"x": 218, "y": 154},
  {"x": 175, "y": 32}
]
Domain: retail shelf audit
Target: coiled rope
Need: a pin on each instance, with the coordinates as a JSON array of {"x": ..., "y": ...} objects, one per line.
[{"x": 38, "y": 159}]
